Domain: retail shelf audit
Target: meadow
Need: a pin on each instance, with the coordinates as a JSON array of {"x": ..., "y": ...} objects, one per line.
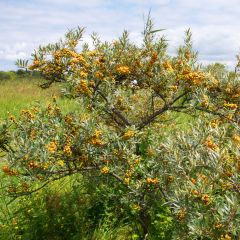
[{"x": 18, "y": 93}]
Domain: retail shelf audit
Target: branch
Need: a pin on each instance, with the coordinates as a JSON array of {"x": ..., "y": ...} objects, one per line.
[
  {"x": 152, "y": 117},
  {"x": 115, "y": 111},
  {"x": 166, "y": 107}
]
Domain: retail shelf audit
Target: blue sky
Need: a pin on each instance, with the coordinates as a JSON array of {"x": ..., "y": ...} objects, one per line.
[{"x": 215, "y": 24}]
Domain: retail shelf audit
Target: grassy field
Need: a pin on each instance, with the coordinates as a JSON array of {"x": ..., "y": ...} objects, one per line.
[{"x": 17, "y": 94}]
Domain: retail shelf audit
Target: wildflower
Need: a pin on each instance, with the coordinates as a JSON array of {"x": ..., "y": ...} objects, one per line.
[
  {"x": 98, "y": 133},
  {"x": 137, "y": 160},
  {"x": 46, "y": 165},
  {"x": 104, "y": 170},
  {"x": 49, "y": 108},
  {"x": 57, "y": 110},
  {"x": 84, "y": 86},
  {"x": 128, "y": 174},
  {"x": 91, "y": 83},
  {"x": 174, "y": 88},
  {"x": 83, "y": 158}
]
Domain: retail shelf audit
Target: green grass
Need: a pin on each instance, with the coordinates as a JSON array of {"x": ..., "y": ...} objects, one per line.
[{"x": 18, "y": 94}]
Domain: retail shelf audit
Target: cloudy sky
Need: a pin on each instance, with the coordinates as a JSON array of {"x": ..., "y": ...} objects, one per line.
[{"x": 215, "y": 24}]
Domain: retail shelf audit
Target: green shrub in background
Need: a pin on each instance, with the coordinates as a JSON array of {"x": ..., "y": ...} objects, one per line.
[
  {"x": 158, "y": 183},
  {"x": 4, "y": 76}
]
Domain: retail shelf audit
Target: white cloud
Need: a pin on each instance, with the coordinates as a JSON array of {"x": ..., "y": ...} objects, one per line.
[{"x": 215, "y": 24}]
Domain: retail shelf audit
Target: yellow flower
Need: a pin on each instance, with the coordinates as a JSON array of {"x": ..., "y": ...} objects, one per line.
[{"x": 104, "y": 170}]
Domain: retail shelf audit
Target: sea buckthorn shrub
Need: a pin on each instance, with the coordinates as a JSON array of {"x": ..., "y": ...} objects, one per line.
[{"x": 171, "y": 183}]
